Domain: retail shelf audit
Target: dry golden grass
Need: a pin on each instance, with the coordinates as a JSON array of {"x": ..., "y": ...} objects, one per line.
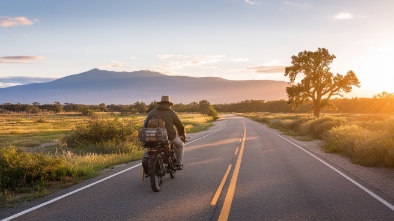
[
  {"x": 22, "y": 153},
  {"x": 367, "y": 139}
]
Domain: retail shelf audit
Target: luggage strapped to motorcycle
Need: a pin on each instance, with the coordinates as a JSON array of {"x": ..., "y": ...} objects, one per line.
[{"x": 154, "y": 132}]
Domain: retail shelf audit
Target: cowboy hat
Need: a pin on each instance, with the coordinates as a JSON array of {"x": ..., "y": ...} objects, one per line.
[{"x": 165, "y": 100}]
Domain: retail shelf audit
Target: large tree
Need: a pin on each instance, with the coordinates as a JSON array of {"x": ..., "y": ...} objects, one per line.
[{"x": 318, "y": 83}]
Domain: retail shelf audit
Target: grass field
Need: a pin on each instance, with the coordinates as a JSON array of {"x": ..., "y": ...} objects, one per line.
[
  {"x": 367, "y": 140},
  {"x": 34, "y": 157}
]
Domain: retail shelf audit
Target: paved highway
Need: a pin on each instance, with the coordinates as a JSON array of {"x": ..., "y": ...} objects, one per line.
[{"x": 241, "y": 170}]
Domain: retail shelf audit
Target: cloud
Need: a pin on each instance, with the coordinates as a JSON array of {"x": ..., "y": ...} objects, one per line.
[
  {"x": 171, "y": 56},
  {"x": 179, "y": 62},
  {"x": 268, "y": 69},
  {"x": 296, "y": 4},
  {"x": 4, "y": 85},
  {"x": 252, "y": 2},
  {"x": 343, "y": 16},
  {"x": 7, "y": 22},
  {"x": 13, "y": 81},
  {"x": 193, "y": 60},
  {"x": 116, "y": 65},
  {"x": 239, "y": 59},
  {"x": 19, "y": 59}
]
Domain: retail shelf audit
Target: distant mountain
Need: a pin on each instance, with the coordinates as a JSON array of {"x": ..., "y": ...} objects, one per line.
[{"x": 98, "y": 86}]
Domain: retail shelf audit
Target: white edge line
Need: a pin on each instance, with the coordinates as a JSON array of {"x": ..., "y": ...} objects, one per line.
[
  {"x": 380, "y": 199},
  {"x": 208, "y": 134},
  {"x": 92, "y": 184},
  {"x": 67, "y": 194}
]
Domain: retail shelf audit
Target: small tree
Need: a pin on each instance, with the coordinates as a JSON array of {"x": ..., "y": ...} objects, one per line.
[
  {"x": 86, "y": 111},
  {"x": 213, "y": 113},
  {"x": 151, "y": 106},
  {"x": 33, "y": 110},
  {"x": 102, "y": 107},
  {"x": 140, "y": 107},
  {"x": 204, "y": 107},
  {"x": 207, "y": 109},
  {"x": 58, "y": 107},
  {"x": 318, "y": 84}
]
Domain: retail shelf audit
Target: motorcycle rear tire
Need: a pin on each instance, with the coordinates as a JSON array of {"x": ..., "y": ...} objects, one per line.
[
  {"x": 155, "y": 182},
  {"x": 172, "y": 172},
  {"x": 172, "y": 169}
]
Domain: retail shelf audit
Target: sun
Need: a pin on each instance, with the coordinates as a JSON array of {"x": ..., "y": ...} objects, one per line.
[{"x": 376, "y": 73}]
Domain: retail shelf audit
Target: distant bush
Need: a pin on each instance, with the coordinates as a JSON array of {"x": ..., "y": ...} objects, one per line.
[
  {"x": 259, "y": 117},
  {"x": 87, "y": 112},
  {"x": 212, "y": 113},
  {"x": 40, "y": 120},
  {"x": 276, "y": 123},
  {"x": 104, "y": 135},
  {"x": 296, "y": 124}
]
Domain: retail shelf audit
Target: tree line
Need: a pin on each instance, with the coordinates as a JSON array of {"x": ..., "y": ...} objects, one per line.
[
  {"x": 379, "y": 104},
  {"x": 204, "y": 107},
  {"x": 382, "y": 103}
]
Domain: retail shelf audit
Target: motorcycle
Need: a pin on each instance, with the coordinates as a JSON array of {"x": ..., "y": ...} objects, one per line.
[{"x": 158, "y": 160}]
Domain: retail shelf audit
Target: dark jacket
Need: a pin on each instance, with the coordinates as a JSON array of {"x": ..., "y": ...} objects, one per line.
[{"x": 170, "y": 117}]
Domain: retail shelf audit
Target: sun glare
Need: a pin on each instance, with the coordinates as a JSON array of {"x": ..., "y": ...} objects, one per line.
[{"x": 379, "y": 63}]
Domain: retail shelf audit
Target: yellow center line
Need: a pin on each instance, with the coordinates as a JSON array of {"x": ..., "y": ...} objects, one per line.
[
  {"x": 220, "y": 188},
  {"x": 230, "y": 193},
  {"x": 236, "y": 151}
]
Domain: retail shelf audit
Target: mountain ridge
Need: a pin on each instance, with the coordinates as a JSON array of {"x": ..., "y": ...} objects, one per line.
[{"x": 99, "y": 86}]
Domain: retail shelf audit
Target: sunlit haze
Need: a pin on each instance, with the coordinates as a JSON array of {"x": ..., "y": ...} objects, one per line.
[{"x": 232, "y": 39}]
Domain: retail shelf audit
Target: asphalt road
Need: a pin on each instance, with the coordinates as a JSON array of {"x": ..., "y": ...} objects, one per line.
[{"x": 268, "y": 178}]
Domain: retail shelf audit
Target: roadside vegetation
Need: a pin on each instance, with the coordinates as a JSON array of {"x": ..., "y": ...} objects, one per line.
[
  {"x": 40, "y": 153},
  {"x": 367, "y": 140}
]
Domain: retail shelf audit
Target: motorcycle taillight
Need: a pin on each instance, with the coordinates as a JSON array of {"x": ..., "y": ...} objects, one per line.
[{"x": 152, "y": 153}]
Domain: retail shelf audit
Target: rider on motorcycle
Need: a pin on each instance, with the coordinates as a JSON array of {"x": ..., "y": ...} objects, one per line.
[{"x": 172, "y": 121}]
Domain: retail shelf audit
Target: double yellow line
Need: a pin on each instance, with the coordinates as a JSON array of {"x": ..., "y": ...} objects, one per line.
[{"x": 231, "y": 190}]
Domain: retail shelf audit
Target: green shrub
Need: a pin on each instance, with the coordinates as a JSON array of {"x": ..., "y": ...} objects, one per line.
[
  {"x": 363, "y": 146},
  {"x": 276, "y": 123},
  {"x": 343, "y": 139},
  {"x": 21, "y": 169},
  {"x": 296, "y": 124},
  {"x": 212, "y": 113},
  {"x": 87, "y": 112},
  {"x": 373, "y": 151},
  {"x": 102, "y": 133},
  {"x": 108, "y": 147},
  {"x": 317, "y": 127}
]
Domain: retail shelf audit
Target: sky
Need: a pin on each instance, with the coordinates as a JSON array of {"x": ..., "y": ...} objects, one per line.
[{"x": 42, "y": 40}]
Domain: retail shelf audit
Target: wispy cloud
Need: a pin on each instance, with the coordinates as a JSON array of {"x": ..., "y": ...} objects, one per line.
[
  {"x": 343, "y": 16},
  {"x": 6, "y": 21},
  {"x": 171, "y": 56},
  {"x": 116, "y": 65},
  {"x": 250, "y": 2},
  {"x": 13, "y": 81},
  {"x": 180, "y": 62},
  {"x": 268, "y": 69},
  {"x": 239, "y": 59},
  {"x": 19, "y": 59},
  {"x": 296, "y": 4},
  {"x": 193, "y": 60}
]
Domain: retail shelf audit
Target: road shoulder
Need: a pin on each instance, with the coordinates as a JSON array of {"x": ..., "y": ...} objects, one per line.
[{"x": 382, "y": 179}]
